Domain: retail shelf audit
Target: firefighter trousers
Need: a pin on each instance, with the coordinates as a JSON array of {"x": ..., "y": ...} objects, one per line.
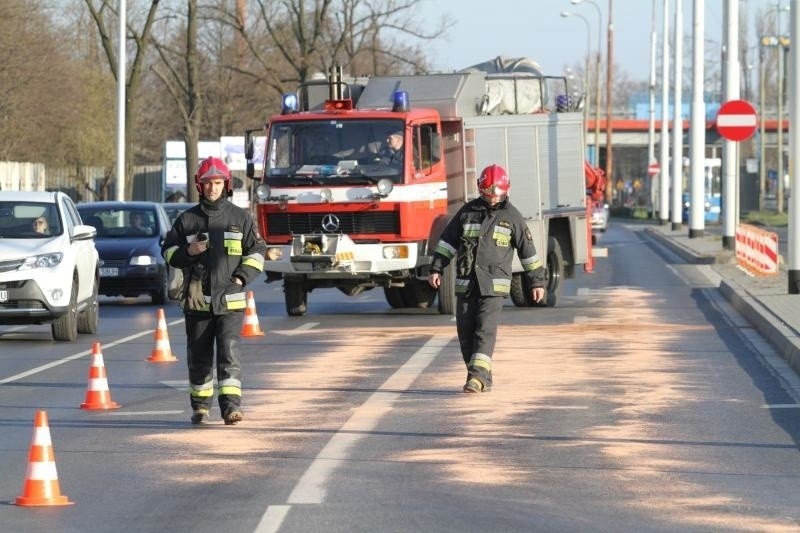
[
  {"x": 476, "y": 323},
  {"x": 204, "y": 331}
]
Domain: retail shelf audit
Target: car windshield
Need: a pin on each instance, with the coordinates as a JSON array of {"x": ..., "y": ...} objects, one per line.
[
  {"x": 332, "y": 151},
  {"x": 29, "y": 220},
  {"x": 122, "y": 222}
]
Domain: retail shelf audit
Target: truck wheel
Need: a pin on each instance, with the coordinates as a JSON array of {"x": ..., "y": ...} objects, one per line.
[
  {"x": 296, "y": 297},
  {"x": 520, "y": 291},
  {"x": 554, "y": 271},
  {"x": 447, "y": 291},
  {"x": 418, "y": 294},
  {"x": 394, "y": 297}
]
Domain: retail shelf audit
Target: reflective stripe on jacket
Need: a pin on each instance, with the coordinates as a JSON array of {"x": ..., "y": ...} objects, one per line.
[
  {"x": 235, "y": 251},
  {"x": 483, "y": 240}
]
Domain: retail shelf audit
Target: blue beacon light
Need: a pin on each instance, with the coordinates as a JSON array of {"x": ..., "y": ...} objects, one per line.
[
  {"x": 289, "y": 104},
  {"x": 400, "y": 101}
]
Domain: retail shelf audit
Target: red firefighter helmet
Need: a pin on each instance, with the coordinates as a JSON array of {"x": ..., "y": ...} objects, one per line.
[
  {"x": 212, "y": 168},
  {"x": 494, "y": 183}
]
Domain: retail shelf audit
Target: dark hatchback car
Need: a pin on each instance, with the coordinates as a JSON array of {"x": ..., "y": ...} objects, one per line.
[{"x": 129, "y": 237}]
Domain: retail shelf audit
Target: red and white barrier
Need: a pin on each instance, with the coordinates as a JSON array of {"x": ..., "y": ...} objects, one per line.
[{"x": 757, "y": 249}]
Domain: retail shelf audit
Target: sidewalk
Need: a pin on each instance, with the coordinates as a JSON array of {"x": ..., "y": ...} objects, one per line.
[{"x": 763, "y": 300}]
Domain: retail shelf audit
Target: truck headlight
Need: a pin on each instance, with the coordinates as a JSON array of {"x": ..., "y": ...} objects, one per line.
[
  {"x": 262, "y": 193},
  {"x": 395, "y": 252},
  {"x": 274, "y": 254}
]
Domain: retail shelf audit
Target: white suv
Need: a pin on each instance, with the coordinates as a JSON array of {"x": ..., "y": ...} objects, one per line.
[{"x": 49, "y": 267}]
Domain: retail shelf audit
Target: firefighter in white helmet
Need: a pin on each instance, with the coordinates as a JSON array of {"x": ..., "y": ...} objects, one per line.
[
  {"x": 216, "y": 245},
  {"x": 482, "y": 238}
]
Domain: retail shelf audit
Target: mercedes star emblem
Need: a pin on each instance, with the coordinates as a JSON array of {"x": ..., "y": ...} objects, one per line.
[{"x": 330, "y": 222}]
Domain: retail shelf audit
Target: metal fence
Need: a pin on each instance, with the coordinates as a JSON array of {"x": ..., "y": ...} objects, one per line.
[{"x": 147, "y": 184}]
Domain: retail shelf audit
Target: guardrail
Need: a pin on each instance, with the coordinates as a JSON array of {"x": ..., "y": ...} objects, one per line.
[{"x": 757, "y": 249}]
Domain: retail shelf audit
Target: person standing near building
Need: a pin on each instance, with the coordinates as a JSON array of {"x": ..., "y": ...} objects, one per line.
[
  {"x": 216, "y": 245},
  {"x": 482, "y": 238}
]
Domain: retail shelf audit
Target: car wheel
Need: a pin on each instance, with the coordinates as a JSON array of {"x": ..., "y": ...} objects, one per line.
[
  {"x": 65, "y": 327},
  {"x": 89, "y": 318},
  {"x": 161, "y": 295}
]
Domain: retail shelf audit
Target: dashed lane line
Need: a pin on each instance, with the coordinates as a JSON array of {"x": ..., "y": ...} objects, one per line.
[
  {"x": 311, "y": 487},
  {"x": 67, "y": 359}
]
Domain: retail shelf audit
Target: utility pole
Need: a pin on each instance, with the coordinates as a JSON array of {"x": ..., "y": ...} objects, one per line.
[
  {"x": 609, "y": 100},
  {"x": 677, "y": 124},
  {"x": 663, "y": 204},
  {"x": 697, "y": 125},
  {"x": 122, "y": 78}
]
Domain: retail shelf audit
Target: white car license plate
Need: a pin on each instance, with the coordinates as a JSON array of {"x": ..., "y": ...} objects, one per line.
[
  {"x": 3, "y": 296},
  {"x": 109, "y": 272}
]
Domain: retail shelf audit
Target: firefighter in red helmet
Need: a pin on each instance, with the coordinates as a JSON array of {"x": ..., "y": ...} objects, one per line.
[
  {"x": 216, "y": 246},
  {"x": 482, "y": 238}
]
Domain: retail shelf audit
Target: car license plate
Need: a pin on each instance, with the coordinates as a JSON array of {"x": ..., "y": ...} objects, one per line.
[
  {"x": 109, "y": 272},
  {"x": 3, "y": 296}
]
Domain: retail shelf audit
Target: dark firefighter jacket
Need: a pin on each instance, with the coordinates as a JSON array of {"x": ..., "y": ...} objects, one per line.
[
  {"x": 483, "y": 240},
  {"x": 234, "y": 250}
]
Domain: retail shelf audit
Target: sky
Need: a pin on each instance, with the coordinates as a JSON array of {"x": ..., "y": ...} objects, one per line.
[{"x": 482, "y": 30}]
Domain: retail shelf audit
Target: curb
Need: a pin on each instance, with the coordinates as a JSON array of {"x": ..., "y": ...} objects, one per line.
[{"x": 781, "y": 337}]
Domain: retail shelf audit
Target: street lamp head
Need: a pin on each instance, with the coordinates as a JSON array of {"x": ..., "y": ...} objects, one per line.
[
  {"x": 576, "y": 2},
  {"x": 566, "y": 14}
]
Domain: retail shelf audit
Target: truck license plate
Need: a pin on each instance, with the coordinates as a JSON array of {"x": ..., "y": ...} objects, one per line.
[
  {"x": 3, "y": 296},
  {"x": 109, "y": 272}
]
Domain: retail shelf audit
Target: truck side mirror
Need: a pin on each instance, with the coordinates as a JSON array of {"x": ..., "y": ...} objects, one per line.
[{"x": 249, "y": 150}]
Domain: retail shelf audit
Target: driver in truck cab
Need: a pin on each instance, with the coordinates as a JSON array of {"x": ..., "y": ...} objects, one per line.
[{"x": 482, "y": 238}]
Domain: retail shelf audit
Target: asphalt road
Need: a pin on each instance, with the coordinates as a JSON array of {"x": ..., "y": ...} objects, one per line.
[{"x": 643, "y": 402}]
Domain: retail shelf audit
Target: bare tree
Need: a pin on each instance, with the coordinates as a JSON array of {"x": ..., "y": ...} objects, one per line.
[
  {"x": 290, "y": 40},
  {"x": 179, "y": 73},
  {"x": 102, "y": 12}
]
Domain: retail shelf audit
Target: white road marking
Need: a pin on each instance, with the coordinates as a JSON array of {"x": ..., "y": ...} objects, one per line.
[
  {"x": 299, "y": 329},
  {"x": 273, "y": 518},
  {"x": 67, "y": 359},
  {"x": 781, "y": 406},
  {"x": 310, "y": 489}
]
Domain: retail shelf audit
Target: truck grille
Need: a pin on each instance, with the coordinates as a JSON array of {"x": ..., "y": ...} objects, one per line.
[{"x": 364, "y": 223}]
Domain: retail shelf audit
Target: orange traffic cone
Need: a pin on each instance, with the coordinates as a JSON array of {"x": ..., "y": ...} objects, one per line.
[
  {"x": 41, "y": 480},
  {"x": 161, "y": 352},
  {"x": 250, "y": 328},
  {"x": 97, "y": 394}
]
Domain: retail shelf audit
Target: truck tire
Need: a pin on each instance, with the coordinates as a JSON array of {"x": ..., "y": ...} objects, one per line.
[
  {"x": 554, "y": 273},
  {"x": 394, "y": 297},
  {"x": 447, "y": 290},
  {"x": 296, "y": 297},
  {"x": 520, "y": 291},
  {"x": 418, "y": 294}
]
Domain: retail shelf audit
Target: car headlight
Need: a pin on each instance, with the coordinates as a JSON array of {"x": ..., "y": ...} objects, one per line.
[
  {"x": 42, "y": 261},
  {"x": 143, "y": 260}
]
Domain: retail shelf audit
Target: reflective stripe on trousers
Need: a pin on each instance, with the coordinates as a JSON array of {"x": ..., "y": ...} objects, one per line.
[
  {"x": 477, "y": 318},
  {"x": 204, "y": 331}
]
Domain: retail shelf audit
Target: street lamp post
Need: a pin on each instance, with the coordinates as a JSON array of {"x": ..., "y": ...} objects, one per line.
[
  {"x": 567, "y": 14},
  {"x": 596, "y": 79}
]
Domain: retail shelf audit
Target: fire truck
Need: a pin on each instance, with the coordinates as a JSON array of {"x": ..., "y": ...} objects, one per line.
[{"x": 336, "y": 214}]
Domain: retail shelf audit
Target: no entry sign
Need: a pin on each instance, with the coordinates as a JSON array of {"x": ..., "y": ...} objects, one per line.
[
  {"x": 737, "y": 120},
  {"x": 653, "y": 169}
]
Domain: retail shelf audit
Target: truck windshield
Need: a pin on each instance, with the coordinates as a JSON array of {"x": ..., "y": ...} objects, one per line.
[{"x": 338, "y": 151}]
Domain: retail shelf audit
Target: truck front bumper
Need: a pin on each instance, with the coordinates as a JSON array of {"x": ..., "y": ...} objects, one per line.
[{"x": 331, "y": 256}]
